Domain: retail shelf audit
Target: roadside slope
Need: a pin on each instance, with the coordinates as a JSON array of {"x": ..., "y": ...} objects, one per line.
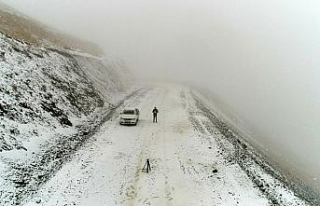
[
  {"x": 254, "y": 157},
  {"x": 48, "y": 108}
]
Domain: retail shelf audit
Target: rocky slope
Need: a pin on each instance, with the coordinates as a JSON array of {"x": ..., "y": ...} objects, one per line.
[
  {"x": 26, "y": 29},
  {"x": 47, "y": 89},
  {"x": 51, "y": 101},
  {"x": 50, "y": 104}
]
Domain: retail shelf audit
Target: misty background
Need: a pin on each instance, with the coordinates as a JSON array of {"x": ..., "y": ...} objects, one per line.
[{"x": 260, "y": 57}]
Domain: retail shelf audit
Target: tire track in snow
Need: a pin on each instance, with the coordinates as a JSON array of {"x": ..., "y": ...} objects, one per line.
[
  {"x": 144, "y": 151},
  {"x": 148, "y": 150},
  {"x": 136, "y": 97},
  {"x": 224, "y": 182}
]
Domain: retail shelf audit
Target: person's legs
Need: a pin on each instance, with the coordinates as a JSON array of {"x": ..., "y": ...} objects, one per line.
[{"x": 154, "y": 118}]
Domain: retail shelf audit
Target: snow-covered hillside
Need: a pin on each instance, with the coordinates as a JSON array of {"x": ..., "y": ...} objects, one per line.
[
  {"x": 24, "y": 28},
  {"x": 51, "y": 101},
  {"x": 253, "y": 156},
  {"x": 97, "y": 69}
]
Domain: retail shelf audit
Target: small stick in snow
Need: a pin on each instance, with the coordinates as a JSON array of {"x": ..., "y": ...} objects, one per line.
[{"x": 146, "y": 166}]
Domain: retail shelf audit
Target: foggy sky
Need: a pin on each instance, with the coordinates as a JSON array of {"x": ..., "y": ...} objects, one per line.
[{"x": 261, "y": 57}]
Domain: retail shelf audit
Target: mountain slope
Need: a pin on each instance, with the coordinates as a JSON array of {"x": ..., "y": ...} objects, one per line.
[
  {"x": 28, "y": 30},
  {"x": 54, "y": 95}
]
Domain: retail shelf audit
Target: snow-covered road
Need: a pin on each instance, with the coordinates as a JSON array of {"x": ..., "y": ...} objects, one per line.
[{"x": 187, "y": 165}]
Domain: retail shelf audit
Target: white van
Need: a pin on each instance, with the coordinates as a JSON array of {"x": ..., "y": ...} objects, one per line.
[{"x": 129, "y": 116}]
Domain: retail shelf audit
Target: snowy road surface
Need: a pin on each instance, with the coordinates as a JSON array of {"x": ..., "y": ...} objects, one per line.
[{"x": 108, "y": 169}]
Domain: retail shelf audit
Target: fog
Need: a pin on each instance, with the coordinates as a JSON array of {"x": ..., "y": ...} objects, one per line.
[{"x": 261, "y": 57}]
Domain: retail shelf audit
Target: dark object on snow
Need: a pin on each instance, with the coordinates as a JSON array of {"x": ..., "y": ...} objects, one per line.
[
  {"x": 214, "y": 171},
  {"x": 2, "y": 110},
  {"x": 65, "y": 121},
  {"x": 22, "y": 147},
  {"x": 2, "y": 55},
  {"x": 20, "y": 182},
  {"x": 155, "y": 114},
  {"x": 52, "y": 108},
  {"x": 146, "y": 166}
]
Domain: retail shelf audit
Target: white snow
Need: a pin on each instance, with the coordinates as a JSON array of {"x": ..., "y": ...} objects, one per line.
[
  {"x": 31, "y": 77},
  {"x": 108, "y": 170},
  {"x": 188, "y": 165}
]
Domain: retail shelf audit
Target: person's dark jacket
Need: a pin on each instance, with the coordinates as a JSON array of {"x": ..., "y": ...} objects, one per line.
[{"x": 155, "y": 111}]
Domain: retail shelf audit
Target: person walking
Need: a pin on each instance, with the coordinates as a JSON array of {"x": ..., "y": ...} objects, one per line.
[{"x": 155, "y": 114}]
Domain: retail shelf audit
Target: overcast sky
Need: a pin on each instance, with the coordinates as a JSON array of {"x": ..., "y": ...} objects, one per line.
[
  {"x": 163, "y": 36},
  {"x": 261, "y": 56}
]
